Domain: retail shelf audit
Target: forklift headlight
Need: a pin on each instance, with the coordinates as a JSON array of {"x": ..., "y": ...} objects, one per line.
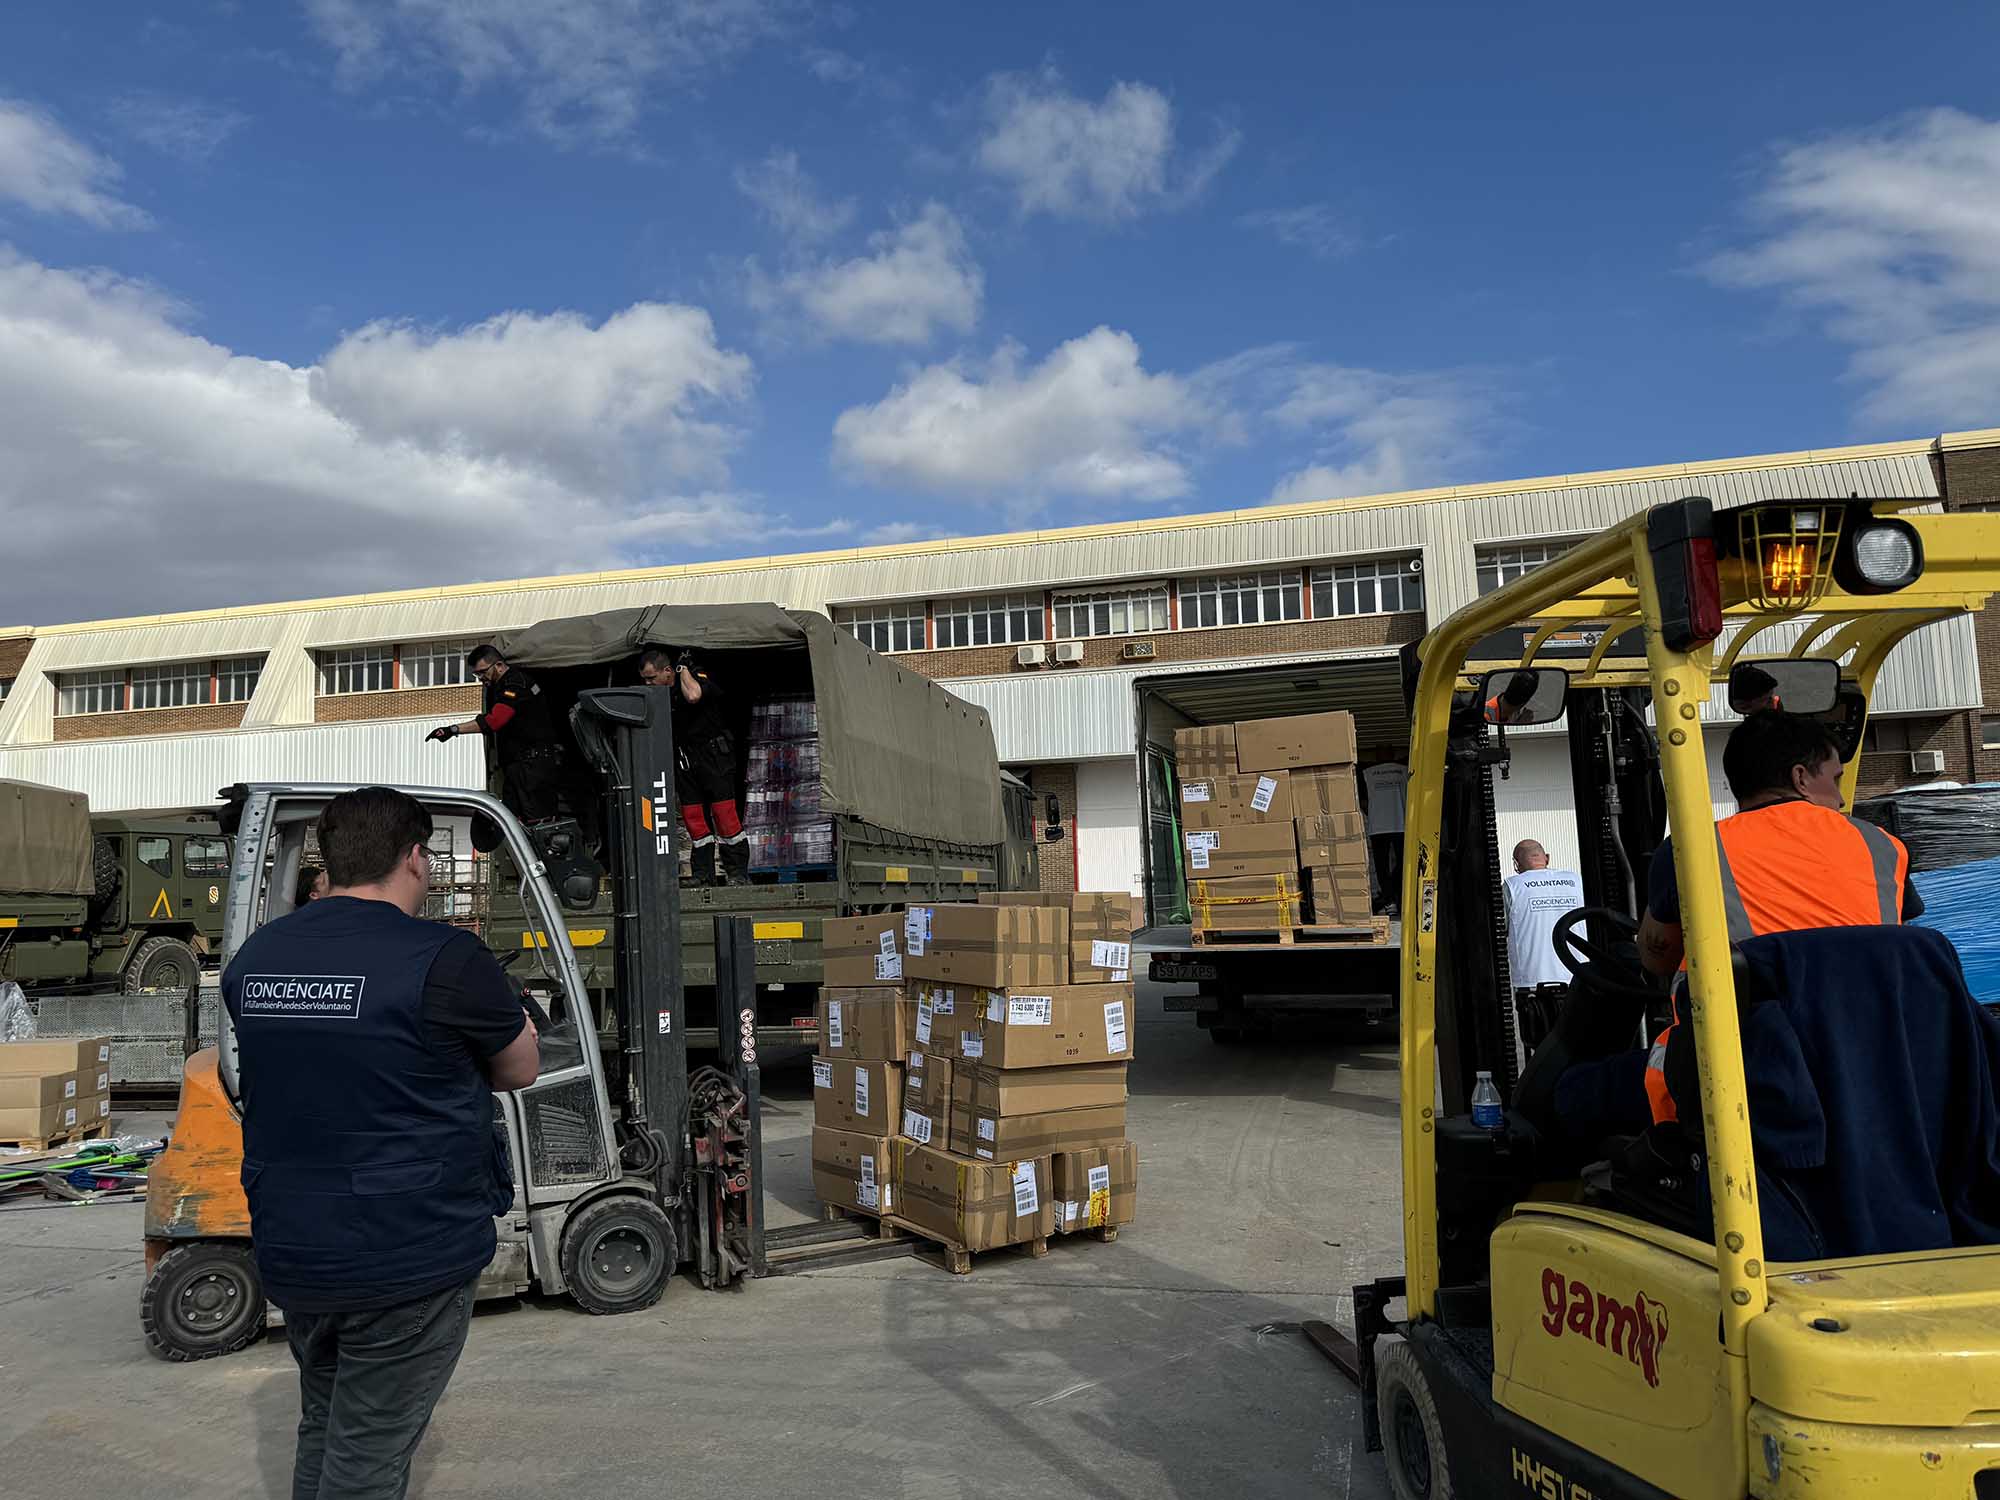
[{"x": 1880, "y": 557}]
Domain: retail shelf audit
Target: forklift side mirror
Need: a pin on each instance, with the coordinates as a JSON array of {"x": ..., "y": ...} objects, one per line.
[
  {"x": 1514, "y": 696},
  {"x": 1803, "y": 685}
]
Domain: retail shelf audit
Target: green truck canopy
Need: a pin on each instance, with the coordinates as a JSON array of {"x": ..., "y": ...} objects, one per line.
[
  {"x": 896, "y": 750},
  {"x": 44, "y": 841}
]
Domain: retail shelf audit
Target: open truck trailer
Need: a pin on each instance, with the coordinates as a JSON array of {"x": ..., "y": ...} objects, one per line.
[
  {"x": 908, "y": 779},
  {"x": 1241, "y": 987}
]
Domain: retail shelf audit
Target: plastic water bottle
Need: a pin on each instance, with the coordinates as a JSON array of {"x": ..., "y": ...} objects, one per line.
[{"x": 1486, "y": 1111}]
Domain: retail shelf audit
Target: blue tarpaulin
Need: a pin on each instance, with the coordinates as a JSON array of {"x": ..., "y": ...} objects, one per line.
[{"x": 1959, "y": 902}]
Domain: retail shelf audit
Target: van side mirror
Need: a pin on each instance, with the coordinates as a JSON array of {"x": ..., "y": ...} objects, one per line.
[
  {"x": 1517, "y": 696},
  {"x": 1802, "y": 685}
]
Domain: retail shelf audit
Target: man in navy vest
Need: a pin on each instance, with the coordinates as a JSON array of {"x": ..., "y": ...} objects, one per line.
[{"x": 370, "y": 1045}]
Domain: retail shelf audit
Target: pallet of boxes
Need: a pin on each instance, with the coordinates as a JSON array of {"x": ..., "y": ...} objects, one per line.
[
  {"x": 54, "y": 1092},
  {"x": 1010, "y": 1032},
  {"x": 1275, "y": 845}
]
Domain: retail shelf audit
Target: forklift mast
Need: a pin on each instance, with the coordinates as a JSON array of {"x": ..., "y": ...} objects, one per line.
[{"x": 1620, "y": 809}]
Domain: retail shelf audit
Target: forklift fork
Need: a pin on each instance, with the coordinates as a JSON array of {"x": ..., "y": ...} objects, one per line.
[{"x": 726, "y": 1109}]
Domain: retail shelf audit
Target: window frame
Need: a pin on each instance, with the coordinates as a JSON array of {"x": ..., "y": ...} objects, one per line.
[
  {"x": 205, "y": 864},
  {"x": 1506, "y": 572},
  {"x": 886, "y": 616},
  {"x": 1376, "y": 574},
  {"x": 451, "y": 653},
  {"x": 1989, "y": 731},
  {"x": 1192, "y": 593},
  {"x": 115, "y": 678},
  {"x": 1109, "y": 600},
  {"x": 333, "y": 660},
  {"x": 228, "y": 670},
  {"x": 166, "y": 843},
  {"x": 1030, "y": 606}
]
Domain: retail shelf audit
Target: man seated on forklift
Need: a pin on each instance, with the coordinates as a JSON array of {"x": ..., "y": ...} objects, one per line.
[{"x": 1791, "y": 859}]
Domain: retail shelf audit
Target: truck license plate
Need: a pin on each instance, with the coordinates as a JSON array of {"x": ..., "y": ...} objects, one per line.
[{"x": 1166, "y": 971}]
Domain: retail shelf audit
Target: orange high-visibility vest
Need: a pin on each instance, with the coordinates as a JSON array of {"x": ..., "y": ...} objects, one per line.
[{"x": 1788, "y": 867}]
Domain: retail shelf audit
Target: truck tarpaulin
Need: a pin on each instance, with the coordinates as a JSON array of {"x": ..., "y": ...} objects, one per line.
[
  {"x": 44, "y": 841},
  {"x": 896, "y": 750},
  {"x": 1953, "y": 835}
]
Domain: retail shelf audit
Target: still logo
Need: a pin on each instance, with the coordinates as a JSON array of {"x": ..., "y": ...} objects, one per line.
[{"x": 1635, "y": 1329}]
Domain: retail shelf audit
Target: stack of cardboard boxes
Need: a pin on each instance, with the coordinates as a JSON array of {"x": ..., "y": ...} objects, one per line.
[
  {"x": 1014, "y": 1022},
  {"x": 55, "y": 1090},
  {"x": 1272, "y": 824}
]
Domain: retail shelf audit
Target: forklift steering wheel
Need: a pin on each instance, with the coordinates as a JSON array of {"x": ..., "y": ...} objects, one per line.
[{"x": 1575, "y": 950}]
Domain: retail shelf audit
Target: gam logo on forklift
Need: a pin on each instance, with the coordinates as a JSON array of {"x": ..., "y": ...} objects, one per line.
[{"x": 1635, "y": 1329}]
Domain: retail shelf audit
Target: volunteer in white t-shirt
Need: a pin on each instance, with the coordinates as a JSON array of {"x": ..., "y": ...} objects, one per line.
[
  {"x": 1537, "y": 899},
  {"x": 1386, "y": 786}
]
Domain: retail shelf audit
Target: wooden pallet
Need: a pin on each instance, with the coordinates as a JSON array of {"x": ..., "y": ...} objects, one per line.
[
  {"x": 81, "y": 1131},
  {"x": 956, "y": 1258},
  {"x": 1375, "y": 935}
]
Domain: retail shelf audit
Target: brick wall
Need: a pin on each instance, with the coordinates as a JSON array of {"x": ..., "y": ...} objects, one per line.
[
  {"x": 1886, "y": 770},
  {"x": 199, "y": 718},
  {"x": 458, "y": 702},
  {"x": 13, "y": 652},
  {"x": 1340, "y": 634},
  {"x": 1058, "y": 859}
]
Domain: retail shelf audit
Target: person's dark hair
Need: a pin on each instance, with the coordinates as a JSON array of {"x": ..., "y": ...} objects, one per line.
[
  {"x": 480, "y": 655},
  {"x": 657, "y": 657},
  {"x": 363, "y": 833},
  {"x": 308, "y": 878},
  {"x": 1763, "y": 749},
  {"x": 1521, "y": 688}
]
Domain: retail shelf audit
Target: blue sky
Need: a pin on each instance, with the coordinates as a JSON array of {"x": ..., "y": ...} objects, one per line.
[{"x": 357, "y": 294}]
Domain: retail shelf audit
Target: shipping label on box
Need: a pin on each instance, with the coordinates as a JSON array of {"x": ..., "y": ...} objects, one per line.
[
  {"x": 1101, "y": 924},
  {"x": 40, "y": 1122},
  {"x": 1297, "y": 740},
  {"x": 1225, "y": 801},
  {"x": 1253, "y": 849},
  {"x": 861, "y": 1096},
  {"x": 1096, "y": 1187},
  {"x": 865, "y": 1024},
  {"x": 976, "y": 1204},
  {"x": 852, "y": 1170},
  {"x": 1077, "y": 1023},
  {"x": 939, "y": 1014},
  {"x": 1322, "y": 792},
  {"x": 39, "y": 1090},
  {"x": 1207, "y": 751},
  {"x": 857, "y": 952},
  {"x": 995, "y": 947}
]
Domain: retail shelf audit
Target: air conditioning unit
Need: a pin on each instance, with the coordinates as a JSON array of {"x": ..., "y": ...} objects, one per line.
[
  {"x": 1069, "y": 651},
  {"x": 1927, "y": 762},
  {"x": 1137, "y": 650},
  {"x": 1030, "y": 656}
]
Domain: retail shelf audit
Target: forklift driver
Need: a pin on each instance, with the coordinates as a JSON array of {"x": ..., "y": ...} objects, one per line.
[
  {"x": 705, "y": 770},
  {"x": 1791, "y": 859}
]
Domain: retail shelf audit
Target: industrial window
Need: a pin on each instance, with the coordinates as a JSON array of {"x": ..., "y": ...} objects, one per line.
[
  {"x": 236, "y": 678},
  {"x": 175, "y": 686},
  {"x": 206, "y": 857},
  {"x": 435, "y": 664},
  {"x": 357, "y": 669},
  {"x": 1117, "y": 612},
  {"x": 91, "y": 692},
  {"x": 997, "y": 620},
  {"x": 157, "y": 855},
  {"x": 1498, "y": 565},
  {"x": 1383, "y": 586},
  {"x": 1989, "y": 731},
  {"x": 884, "y": 627},
  {"x": 6, "y": 687},
  {"x": 1241, "y": 599}
]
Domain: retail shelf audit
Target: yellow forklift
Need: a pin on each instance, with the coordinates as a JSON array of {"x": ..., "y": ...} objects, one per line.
[{"x": 1547, "y": 1337}]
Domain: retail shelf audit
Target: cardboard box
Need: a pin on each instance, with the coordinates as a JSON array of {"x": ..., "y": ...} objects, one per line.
[
  {"x": 939, "y": 1012},
  {"x": 1251, "y": 916},
  {"x": 1340, "y": 897},
  {"x": 1003, "y": 1093},
  {"x": 40, "y": 1090},
  {"x": 856, "y": 952},
  {"x": 1296, "y": 740},
  {"x": 57, "y": 1055},
  {"x": 926, "y": 1116},
  {"x": 1230, "y": 801},
  {"x": 995, "y": 947},
  {"x": 1065, "y": 1024},
  {"x": 851, "y": 1170},
  {"x": 1254, "y": 849},
  {"x": 1324, "y": 841},
  {"x": 976, "y": 1204},
  {"x": 985, "y": 1136},
  {"x": 39, "y": 1122},
  {"x": 1101, "y": 924},
  {"x": 1096, "y": 1188},
  {"x": 865, "y": 1025},
  {"x": 1207, "y": 751},
  {"x": 1325, "y": 791},
  {"x": 857, "y": 1096}
]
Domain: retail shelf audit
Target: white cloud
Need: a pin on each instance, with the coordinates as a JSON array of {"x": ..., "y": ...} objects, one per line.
[
  {"x": 49, "y": 171},
  {"x": 1311, "y": 227},
  {"x": 1374, "y": 431},
  {"x": 1089, "y": 421},
  {"x": 830, "y": 65},
  {"x": 1893, "y": 234},
  {"x": 586, "y": 70},
  {"x": 796, "y": 208},
  {"x": 916, "y": 279},
  {"x": 149, "y": 468},
  {"x": 188, "y": 128},
  {"x": 1065, "y": 156}
]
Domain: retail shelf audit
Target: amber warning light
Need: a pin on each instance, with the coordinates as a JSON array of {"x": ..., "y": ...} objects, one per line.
[{"x": 1790, "y": 568}]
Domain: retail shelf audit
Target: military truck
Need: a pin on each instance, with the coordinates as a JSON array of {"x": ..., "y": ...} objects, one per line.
[
  {"x": 131, "y": 899},
  {"x": 919, "y": 807}
]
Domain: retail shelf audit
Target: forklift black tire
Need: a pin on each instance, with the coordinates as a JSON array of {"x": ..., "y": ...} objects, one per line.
[
  {"x": 1412, "y": 1432},
  {"x": 163, "y": 963},
  {"x": 202, "y": 1300},
  {"x": 618, "y": 1255}
]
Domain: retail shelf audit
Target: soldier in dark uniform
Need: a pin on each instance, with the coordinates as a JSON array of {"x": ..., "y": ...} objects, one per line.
[
  {"x": 705, "y": 773},
  {"x": 517, "y": 719}
]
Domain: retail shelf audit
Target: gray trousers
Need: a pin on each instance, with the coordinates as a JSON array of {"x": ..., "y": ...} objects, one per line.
[{"x": 368, "y": 1382}]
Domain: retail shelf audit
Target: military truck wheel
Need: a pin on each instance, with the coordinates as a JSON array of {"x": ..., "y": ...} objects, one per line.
[
  {"x": 618, "y": 1255},
  {"x": 1412, "y": 1431},
  {"x": 203, "y": 1299},
  {"x": 163, "y": 963},
  {"x": 106, "y": 874}
]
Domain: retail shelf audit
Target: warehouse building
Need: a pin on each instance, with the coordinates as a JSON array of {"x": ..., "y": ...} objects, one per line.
[{"x": 1087, "y": 644}]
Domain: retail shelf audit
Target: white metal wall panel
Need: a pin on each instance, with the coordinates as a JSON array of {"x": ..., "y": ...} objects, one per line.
[
  {"x": 1039, "y": 716},
  {"x": 1107, "y": 827},
  {"x": 1536, "y": 802},
  {"x": 134, "y": 645},
  {"x": 176, "y": 770}
]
